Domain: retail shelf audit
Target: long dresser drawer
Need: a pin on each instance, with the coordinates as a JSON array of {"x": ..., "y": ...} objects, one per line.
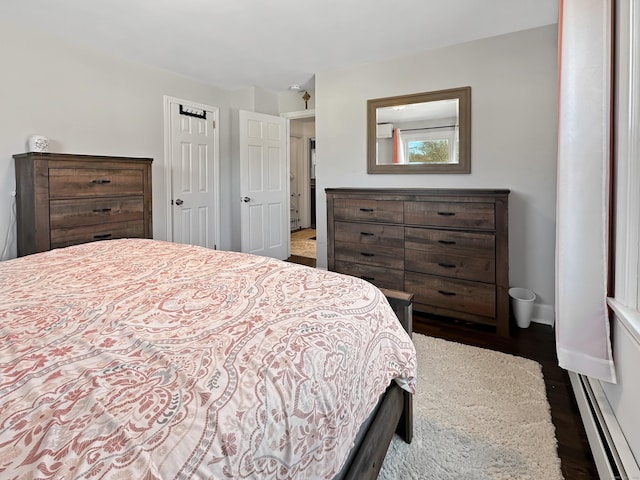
[
  {"x": 450, "y": 214},
  {"x": 64, "y": 237},
  {"x": 454, "y": 295},
  {"x": 454, "y": 266},
  {"x": 370, "y": 234},
  {"x": 390, "y": 211},
  {"x": 94, "y": 182},
  {"x": 375, "y": 255},
  {"x": 477, "y": 244},
  {"x": 73, "y": 213},
  {"x": 381, "y": 277}
]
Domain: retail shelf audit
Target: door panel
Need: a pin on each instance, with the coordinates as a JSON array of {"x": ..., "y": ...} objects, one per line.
[
  {"x": 264, "y": 187},
  {"x": 193, "y": 181}
]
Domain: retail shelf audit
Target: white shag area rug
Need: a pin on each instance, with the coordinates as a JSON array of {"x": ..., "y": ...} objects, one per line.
[{"x": 478, "y": 414}]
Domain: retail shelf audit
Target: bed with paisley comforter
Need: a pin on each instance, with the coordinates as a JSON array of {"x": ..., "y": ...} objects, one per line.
[{"x": 141, "y": 359}]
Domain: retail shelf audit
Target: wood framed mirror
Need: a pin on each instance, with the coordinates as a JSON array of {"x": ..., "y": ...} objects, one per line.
[{"x": 426, "y": 132}]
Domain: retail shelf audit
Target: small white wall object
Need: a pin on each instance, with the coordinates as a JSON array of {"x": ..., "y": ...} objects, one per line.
[{"x": 384, "y": 130}]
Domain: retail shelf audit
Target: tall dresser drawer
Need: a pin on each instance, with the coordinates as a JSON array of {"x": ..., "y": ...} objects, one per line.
[
  {"x": 454, "y": 295},
  {"x": 94, "y": 182},
  {"x": 375, "y": 255},
  {"x": 450, "y": 214},
  {"x": 63, "y": 237},
  {"x": 381, "y": 277},
  {"x": 92, "y": 211},
  {"x": 370, "y": 234},
  {"x": 389, "y": 211}
]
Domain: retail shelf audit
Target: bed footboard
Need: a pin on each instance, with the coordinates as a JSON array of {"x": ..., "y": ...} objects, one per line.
[
  {"x": 373, "y": 448},
  {"x": 394, "y": 413},
  {"x": 402, "y": 304}
]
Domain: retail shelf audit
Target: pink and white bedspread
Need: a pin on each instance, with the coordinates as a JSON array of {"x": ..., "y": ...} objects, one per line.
[{"x": 140, "y": 359}]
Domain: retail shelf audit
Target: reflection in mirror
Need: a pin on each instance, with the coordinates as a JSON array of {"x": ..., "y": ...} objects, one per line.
[
  {"x": 424, "y": 132},
  {"x": 420, "y": 133}
]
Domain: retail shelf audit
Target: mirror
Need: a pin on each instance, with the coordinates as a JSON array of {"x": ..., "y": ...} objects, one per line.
[{"x": 420, "y": 133}]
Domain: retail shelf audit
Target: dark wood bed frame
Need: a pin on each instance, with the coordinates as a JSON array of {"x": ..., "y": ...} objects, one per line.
[{"x": 394, "y": 412}]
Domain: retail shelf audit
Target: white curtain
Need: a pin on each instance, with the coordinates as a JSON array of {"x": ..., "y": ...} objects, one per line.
[{"x": 584, "y": 151}]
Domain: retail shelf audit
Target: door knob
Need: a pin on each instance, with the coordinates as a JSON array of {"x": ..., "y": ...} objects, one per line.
[
  {"x": 246, "y": 199},
  {"x": 179, "y": 202}
]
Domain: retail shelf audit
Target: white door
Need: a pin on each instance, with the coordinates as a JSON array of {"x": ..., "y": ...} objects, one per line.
[
  {"x": 194, "y": 175},
  {"x": 264, "y": 185}
]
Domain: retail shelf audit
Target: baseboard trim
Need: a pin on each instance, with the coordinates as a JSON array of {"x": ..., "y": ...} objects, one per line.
[{"x": 544, "y": 314}]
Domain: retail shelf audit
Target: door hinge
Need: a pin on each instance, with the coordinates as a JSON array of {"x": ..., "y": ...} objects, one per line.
[{"x": 213, "y": 124}]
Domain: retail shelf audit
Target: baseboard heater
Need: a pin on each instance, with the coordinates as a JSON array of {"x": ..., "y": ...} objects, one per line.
[{"x": 611, "y": 452}]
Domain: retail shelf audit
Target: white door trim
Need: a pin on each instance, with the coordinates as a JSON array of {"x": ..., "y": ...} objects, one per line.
[
  {"x": 167, "y": 102},
  {"x": 299, "y": 114}
]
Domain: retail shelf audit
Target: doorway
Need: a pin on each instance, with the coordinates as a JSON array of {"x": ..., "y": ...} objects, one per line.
[{"x": 302, "y": 189}]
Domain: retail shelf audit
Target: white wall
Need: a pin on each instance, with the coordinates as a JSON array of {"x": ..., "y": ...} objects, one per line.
[
  {"x": 293, "y": 101},
  {"x": 91, "y": 103},
  {"x": 514, "y": 129}
]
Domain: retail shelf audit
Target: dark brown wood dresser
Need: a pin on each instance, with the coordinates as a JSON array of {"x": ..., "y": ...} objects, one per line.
[
  {"x": 449, "y": 247},
  {"x": 64, "y": 199}
]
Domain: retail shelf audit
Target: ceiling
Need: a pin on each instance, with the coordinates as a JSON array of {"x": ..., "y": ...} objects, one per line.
[{"x": 235, "y": 44}]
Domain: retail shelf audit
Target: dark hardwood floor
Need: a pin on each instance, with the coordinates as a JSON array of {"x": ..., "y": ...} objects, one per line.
[
  {"x": 309, "y": 262},
  {"x": 536, "y": 343}
]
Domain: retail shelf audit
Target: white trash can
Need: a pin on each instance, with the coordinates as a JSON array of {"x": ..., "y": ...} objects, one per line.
[{"x": 522, "y": 301}]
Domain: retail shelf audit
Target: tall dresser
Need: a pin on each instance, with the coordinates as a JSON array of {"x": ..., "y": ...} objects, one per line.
[
  {"x": 64, "y": 199},
  {"x": 449, "y": 247}
]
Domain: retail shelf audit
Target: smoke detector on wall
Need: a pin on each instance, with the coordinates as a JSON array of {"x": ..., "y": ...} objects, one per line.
[{"x": 295, "y": 87}]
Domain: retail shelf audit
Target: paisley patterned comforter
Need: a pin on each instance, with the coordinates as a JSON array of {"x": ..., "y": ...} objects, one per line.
[{"x": 139, "y": 359}]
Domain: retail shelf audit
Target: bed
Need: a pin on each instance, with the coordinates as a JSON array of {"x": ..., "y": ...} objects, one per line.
[{"x": 145, "y": 359}]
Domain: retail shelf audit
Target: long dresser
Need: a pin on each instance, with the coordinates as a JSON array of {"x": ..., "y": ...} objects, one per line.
[
  {"x": 64, "y": 199},
  {"x": 449, "y": 247}
]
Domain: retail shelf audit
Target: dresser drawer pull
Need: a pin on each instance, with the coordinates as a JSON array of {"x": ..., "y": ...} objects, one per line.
[
  {"x": 100, "y": 182},
  {"x": 101, "y": 210},
  {"x": 368, "y": 279},
  {"x": 366, "y": 254},
  {"x": 447, "y": 242},
  {"x": 447, "y": 265},
  {"x": 367, "y": 234},
  {"x": 447, "y": 294},
  {"x": 366, "y": 209},
  {"x": 446, "y": 214},
  {"x": 102, "y": 236}
]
